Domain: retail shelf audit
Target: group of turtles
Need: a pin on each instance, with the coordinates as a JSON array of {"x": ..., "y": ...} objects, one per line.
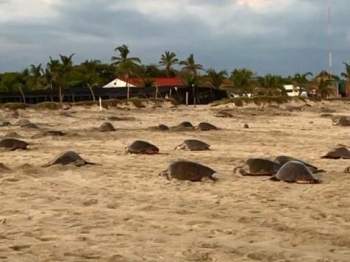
[{"x": 282, "y": 168}]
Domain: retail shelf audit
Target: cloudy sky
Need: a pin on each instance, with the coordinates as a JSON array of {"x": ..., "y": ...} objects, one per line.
[{"x": 268, "y": 36}]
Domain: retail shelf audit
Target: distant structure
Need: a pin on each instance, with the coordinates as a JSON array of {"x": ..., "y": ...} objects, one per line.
[{"x": 329, "y": 36}]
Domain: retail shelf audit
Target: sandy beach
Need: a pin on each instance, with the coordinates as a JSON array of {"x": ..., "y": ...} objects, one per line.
[{"x": 122, "y": 210}]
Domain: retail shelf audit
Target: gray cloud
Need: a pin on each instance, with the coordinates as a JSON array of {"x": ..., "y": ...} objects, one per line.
[{"x": 284, "y": 38}]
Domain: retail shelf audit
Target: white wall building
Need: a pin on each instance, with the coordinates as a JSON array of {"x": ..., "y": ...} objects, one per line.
[{"x": 118, "y": 83}]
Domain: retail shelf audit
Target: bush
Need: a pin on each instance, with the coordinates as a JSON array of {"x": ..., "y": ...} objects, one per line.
[{"x": 14, "y": 106}]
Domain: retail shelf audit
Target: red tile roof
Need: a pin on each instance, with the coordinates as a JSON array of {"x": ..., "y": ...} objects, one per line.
[{"x": 159, "y": 81}]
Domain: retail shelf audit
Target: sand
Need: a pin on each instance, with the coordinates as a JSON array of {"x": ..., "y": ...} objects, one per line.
[{"x": 123, "y": 211}]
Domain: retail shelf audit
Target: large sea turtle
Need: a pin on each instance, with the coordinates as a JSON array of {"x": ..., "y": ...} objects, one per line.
[
  {"x": 187, "y": 170},
  {"x": 142, "y": 147},
  {"x": 338, "y": 153},
  {"x": 258, "y": 167},
  {"x": 284, "y": 159},
  {"x": 204, "y": 126},
  {"x": 13, "y": 144},
  {"x": 193, "y": 145},
  {"x": 106, "y": 127},
  {"x": 69, "y": 158},
  {"x": 295, "y": 172}
]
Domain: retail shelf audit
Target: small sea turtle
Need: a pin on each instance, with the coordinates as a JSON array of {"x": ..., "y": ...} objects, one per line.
[
  {"x": 258, "y": 167},
  {"x": 187, "y": 170},
  {"x": 284, "y": 159},
  {"x": 49, "y": 133},
  {"x": 67, "y": 158},
  {"x": 295, "y": 172},
  {"x": 160, "y": 127},
  {"x": 4, "y": 169},
  {"x": 224, "y": 114},
  {"x": 106, "y": 127},
  {"x": 13, "y": 144},
  {"x": 204, "y": 126},
  {"x": 193, "y": 145},
  {"x": 183, "y": 126},
  {"x": 22, "y": 122},
  {"x": 347, "y": 170},
  {"x": 338, "y": 153},
  {"x": 4, "y": 123},
  {"x": 12, "y": 135},
  {"x": 342, "y": 121},
  {"x": 246, "y": 126},
  {"x": 142, "y": 147}
]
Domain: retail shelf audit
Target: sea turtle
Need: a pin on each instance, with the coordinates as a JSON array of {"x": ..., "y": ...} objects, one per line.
[
  {"x": 347, "y": 170},
  {"x": 193, "y": 145},
  {"x": 338, "y": 153},
  {"x": 4, "y": 169},
  {"x": 106, "y": 127},
  {"x": 204, "y": 126},
  {"x": 258, "y": 167},
  {"x": 4, "y": 123},
  {"x": 284, "y": 159},
  {"x": 295, "y": 172},
  {"x": 160, "y": 127},
  {"x": 13, "y": 144},
  {"x": 224, "y": 114},
  {"x": 12, "y": 135},
  {"x": 49, "y": 133},
  {"x": 183, "y": 126},
  {"x": 142, "y": 147},
  {"x": 67, "y": 158},
  {"x": 246, "y": 126},
  {"x": 342, "y": 121},
  {"x": 25, "y": 123},
  {"x": 187, "y": 170}
]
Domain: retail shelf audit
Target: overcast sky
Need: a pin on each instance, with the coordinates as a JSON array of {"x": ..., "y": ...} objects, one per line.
[{"x": 268, "y": 36}]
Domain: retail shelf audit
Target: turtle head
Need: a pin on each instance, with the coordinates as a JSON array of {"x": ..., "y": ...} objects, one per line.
[{"x": 165, "y": 173}]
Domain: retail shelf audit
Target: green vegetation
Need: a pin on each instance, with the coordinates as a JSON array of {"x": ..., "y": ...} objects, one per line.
[{"x": 61, "y": 74}]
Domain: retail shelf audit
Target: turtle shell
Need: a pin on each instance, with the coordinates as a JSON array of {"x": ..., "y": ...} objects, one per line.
[
  {"x": 284, "y": 159},
  {"x": 204, "y": 126},
  {"x": 106, "y": 127},
  {"x": 187, "y": 170},
  {"x": 142, "y": 147},
  {"x": 13, "y": 144},
  {"x": 67, "y": 158},
  {"x": 261, "y": 167},
  {"x": 194, "y": 145},
  {"x": 338, "y": 153},
  {"x": 295, "y": 172}
]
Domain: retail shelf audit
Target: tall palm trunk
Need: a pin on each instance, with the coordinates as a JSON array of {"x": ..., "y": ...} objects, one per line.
[
  {"x": 92, "y": 92},
  {"x": 60, "y": 94},
  {"x": 22, "y": 94}
]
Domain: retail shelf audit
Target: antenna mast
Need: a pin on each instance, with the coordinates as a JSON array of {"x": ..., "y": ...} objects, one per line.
[{"x": 329, "y": 36}]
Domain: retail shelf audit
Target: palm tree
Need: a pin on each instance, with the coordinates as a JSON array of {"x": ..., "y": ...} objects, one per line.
[
  {"x": 271, "y": 85},
  {"x": 90, "y": 76},
  {"x": 64, "y": 69},
  {"x": 302, "y": 81},
  {"x": 215, "y": 78},
  {"x": 190, "y": 66},
  {"x": 125, "y": 65},
  {"x": 168, "y": 59},
  {"x": 36, "y": 76},
  {"x": 242, "y": 80}
]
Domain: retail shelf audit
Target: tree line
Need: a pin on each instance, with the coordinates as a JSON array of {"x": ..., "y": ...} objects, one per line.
[{"x": 61, "y": 73}]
